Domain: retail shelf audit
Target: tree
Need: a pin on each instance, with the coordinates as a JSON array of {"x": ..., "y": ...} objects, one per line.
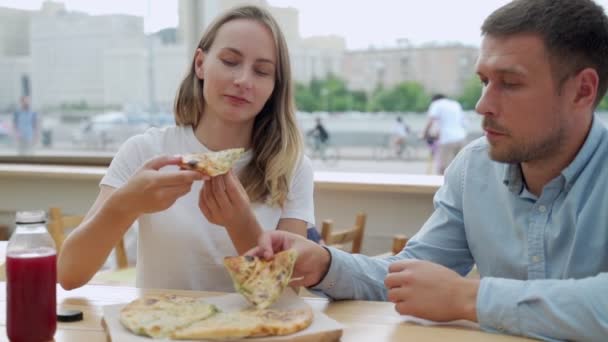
[
  {"x": 470, "y": 94},
  {"x": 305, "y": 99},
  {"x": 404, "y": 97},
  {"x": 603, "y": 105}
]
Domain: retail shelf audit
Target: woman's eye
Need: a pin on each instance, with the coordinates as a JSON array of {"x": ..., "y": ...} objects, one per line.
[
  {"x": 229, "y": 62},
  {"x": 262, "y": 72}
]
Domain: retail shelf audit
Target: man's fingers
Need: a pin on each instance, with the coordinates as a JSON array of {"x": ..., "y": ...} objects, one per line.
[
  {"x": 399, "y": 294},
  {"x": 400, "y": 265},
  {"x": 160, "y": 161},
  {"x": 398, "y": 279}
]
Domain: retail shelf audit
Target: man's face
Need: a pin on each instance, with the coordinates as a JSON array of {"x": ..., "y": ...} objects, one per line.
[{"x": 524, "y": 116}]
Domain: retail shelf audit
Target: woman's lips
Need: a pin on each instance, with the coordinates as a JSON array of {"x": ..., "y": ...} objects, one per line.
[{"x": 235, "y": 100}]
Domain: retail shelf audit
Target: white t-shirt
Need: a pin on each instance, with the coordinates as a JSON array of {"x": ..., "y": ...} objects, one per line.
[
  {"x": 448, "y": 114},
  {"x": 179, "y": 248},
  {"x": 399, "y": 130}
]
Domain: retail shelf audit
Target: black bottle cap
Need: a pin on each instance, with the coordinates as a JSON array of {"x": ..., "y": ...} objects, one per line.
[{"x": 69, "y": 315}]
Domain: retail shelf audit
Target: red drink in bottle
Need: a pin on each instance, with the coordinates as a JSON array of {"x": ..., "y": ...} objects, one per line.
[{"x": 31, "y": 277}]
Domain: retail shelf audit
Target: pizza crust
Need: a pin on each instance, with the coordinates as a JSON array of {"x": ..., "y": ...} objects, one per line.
[
  {"x": 158, "y": 316},
  {"x": 248, "y": 323},
  {"x": 212, "y": 163}
]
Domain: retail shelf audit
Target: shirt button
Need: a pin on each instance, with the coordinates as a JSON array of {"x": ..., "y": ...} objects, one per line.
[
  {"x": 536, "y": 258},
  {"x": 542, "y": 208}
]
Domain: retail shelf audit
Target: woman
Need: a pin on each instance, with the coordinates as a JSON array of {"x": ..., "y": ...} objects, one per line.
[{"x": 237, "y": 94}]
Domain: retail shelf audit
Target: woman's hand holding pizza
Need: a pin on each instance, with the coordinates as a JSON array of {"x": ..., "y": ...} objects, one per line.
[
  {"x": 224, "y": 202},
  {"x": 149, "y": 191}
]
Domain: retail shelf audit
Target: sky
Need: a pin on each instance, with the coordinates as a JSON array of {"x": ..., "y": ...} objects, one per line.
[{"x": 362, "y": 23}]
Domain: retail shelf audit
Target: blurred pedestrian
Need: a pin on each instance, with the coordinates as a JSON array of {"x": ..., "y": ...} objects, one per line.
[
  {"x": 447, "y": 114},
  {"x": 25, "y": 126}
]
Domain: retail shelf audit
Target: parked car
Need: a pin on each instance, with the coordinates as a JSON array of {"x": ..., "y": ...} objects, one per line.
[
  {"x": 109, "y": 130},
  {"x": 6, "y": 135}
]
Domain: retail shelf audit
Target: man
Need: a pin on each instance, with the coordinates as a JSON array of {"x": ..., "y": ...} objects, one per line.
[
  {"x": 25, "y": 124},
  {"x": 399, "y": 136},
  {"x": 320, "y": 136},
  {"x": 448, "y": 116},
  {"x": 526, "y": 204}
]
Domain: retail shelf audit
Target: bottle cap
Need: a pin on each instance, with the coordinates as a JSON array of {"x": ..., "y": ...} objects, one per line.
[
  {"x": 69, "y": 315},
  {"x": 36, "y": 216}
]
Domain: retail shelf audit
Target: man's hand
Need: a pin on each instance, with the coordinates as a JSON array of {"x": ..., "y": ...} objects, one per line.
[
  {"x": 313, "y": 260},
  {"x": 431, "y": 291},
  {"x": 149, "y": 191}
]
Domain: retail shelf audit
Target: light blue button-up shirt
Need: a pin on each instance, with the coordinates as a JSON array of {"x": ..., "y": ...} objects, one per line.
[{"x": 543, "y": 261}]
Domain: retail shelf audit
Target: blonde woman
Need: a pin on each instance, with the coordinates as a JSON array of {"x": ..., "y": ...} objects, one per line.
[{"x": 237, "y": 93}]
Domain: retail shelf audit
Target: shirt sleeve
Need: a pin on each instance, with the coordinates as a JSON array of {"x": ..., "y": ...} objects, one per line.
[
  {"x": 434, "y": 110},
  {"x": 299, "y": 204},
  {"x": 129, "y": 158},
  {"x": 442, "y": 240},
  {"x": 548, "y": 309}
]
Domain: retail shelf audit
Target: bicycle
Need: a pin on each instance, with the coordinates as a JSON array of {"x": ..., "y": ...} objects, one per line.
[{"x": 322, "y": 150}]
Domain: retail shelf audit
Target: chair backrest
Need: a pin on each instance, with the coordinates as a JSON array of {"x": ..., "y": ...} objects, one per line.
[
  {"x": 59, "y": 223},
  {"x": 352, "y": 234},
  {"x": 399, "y": 242}
]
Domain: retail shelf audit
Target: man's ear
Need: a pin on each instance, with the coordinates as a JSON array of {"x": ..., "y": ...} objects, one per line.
[
  {"x": 587, "y": 82},
  {"x": 199, "y": 58}
]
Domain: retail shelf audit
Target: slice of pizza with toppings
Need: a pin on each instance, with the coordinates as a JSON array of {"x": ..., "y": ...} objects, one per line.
[
  {"x": 248, "y": 323},
  {"x": 212, "y": 163},
  {"x": 158, "y": 316},
  {"x": 260, "y": 281}
]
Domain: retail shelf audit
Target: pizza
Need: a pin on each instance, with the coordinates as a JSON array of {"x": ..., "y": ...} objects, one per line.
[
  {"x": 260, "y": 281},
  {"x": 159, "y": 316},
  {"x": 248, "y": 323},
  {"x": 177, "y": 317},
  {"x": 212, "y": 163}
]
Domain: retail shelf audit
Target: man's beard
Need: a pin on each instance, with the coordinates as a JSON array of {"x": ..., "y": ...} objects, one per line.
[{"x": 528, "y": 150}]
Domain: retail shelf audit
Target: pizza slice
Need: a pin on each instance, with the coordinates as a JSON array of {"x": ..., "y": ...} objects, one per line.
[
  {"x": 248, "y": 323},
  {"x": 158, "y": 316},
  {"x": 260, "y": 281},
  {"x": 212, "y": 163}
]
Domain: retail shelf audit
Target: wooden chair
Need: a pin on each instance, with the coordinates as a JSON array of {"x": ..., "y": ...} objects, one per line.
[
  {"x": 399, "y": 242},
  {"x": 352, "y": 234},
  {"x": 57, "y": 225}
]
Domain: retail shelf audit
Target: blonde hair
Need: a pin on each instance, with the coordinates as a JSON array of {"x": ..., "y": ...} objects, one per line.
[{"x": 276, "y": 141}]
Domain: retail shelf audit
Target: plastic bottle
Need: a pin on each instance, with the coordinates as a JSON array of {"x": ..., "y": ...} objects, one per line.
[{"x": 31, "y": 277}]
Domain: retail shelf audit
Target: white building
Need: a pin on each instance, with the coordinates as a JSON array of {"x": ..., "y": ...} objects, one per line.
[
  {"x": 14, "y": 56},
  {"x": 317, "y": 57},
  {"x": 440, "y": 69},
  {"x": 72, "y": 58},
  {"x": 15, "y": 75},
  {"x": 314, "y": 57}
]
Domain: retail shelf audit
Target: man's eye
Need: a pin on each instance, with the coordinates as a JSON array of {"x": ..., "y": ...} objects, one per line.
[{"x": 510, "y": 85}]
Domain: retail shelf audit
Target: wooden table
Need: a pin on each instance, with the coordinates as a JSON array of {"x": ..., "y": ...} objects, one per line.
[{"x": 363, "y": 321}]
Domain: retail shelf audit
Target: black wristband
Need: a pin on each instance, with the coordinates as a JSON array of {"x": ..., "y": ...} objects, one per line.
[{"x": 326, "y": 271}]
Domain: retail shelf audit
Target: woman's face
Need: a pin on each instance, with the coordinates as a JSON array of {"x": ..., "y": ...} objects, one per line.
[{"x": 238, "y": 71}]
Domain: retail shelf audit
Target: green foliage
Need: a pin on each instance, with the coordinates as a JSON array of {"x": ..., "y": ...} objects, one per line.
[
  {"x": 405, "y": 97},
  {"x": 471, "y": 94},
  {"x": 603, "y": 105},
  {"x": 332, "y": 95}
]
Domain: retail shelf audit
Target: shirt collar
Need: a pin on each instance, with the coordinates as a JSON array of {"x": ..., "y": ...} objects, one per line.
[
  {"x": 584, "y": 155},
  {"x": 513, "y": 177}
]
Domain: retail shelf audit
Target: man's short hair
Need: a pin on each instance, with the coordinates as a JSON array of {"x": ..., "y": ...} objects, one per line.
[
  {"x": 575, "y": 34},
  {"x": 437, "y": 97}
]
